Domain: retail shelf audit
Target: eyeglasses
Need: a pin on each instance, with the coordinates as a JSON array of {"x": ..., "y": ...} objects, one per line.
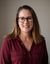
[{"x": 27, "y": 18}]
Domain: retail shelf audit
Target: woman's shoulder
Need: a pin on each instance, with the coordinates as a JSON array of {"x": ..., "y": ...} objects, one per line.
[
  {"x": 6, "y": 40},
  {"x": 43, "y": 41},
  {"x": 10, "y": 39},
  {"x": 42, "y": 38},
  {"x": 7, "y": 37}
]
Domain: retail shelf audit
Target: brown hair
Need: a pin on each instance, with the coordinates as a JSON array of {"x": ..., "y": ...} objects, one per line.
[{"x": 36, "y": 28}]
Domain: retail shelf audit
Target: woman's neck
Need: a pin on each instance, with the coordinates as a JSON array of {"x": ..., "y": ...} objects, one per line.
[
  {"x": 25, "y": 36},
  {"x": 27, "y": 40}
]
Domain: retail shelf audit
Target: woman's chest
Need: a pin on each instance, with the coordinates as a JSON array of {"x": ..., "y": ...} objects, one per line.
[{"x": 20, "y": 55}]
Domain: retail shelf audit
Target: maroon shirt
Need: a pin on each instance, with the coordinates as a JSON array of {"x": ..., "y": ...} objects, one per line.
[{"x": 13, "y": 51}]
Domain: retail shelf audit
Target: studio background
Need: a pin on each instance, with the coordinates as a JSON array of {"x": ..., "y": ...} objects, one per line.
[{"x": 8, "y": 10}]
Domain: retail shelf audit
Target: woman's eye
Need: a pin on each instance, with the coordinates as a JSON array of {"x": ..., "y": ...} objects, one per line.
[{"x": 22, "y": 18}]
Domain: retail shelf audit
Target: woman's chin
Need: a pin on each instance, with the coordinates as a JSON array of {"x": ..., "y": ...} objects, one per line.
[{"x": 26, "y": 30}]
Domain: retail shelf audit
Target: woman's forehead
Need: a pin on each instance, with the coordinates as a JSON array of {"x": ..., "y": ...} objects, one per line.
[{"x": 25, "y": 12}]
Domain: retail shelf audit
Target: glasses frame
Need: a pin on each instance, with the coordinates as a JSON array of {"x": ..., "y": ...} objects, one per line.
[{"x": 29, "y": 18}]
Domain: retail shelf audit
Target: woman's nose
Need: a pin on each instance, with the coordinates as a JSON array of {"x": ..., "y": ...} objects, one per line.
[{"x": 26, "y": 21}]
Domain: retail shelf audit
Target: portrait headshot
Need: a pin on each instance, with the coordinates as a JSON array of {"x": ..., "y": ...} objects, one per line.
[{"x": 24, "y": 35}]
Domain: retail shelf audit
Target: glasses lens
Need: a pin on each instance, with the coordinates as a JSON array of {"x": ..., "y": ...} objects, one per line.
[{"x": 23, "y": 18}]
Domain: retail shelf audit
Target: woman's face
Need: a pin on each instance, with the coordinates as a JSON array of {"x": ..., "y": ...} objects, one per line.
[{"x": 25, "y": 20}]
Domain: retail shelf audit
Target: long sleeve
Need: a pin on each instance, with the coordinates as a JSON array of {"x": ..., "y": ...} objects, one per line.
[
  {"x": 5, "y": 52},
  {"x": 45, "y": 56}
]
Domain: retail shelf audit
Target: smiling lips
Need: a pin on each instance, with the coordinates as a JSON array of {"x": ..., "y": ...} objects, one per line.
[{"x": 26, "y": 26}]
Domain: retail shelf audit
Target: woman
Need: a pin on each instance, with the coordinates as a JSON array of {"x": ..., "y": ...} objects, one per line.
[{"x": 25, "y": 45}]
